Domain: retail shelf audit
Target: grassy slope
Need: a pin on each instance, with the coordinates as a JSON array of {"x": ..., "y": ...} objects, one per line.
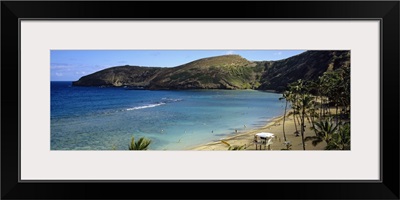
[{"x": 223, "y": 72}]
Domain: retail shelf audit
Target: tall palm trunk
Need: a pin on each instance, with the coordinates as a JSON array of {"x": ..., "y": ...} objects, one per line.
[
  {"x": 298, "y": 119},
  {"x": 294, "y": 119},
  {"x": 312, "y": 123},
  {"x": 302, "y": 126},
  {"x": 284, "y": 119}
]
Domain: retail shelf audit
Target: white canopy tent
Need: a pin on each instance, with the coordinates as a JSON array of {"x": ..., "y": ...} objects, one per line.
[{"x": 263, "y": 139}]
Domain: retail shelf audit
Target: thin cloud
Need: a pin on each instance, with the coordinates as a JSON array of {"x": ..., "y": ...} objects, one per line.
[
  {"x": 230, "y": 52},
  {"x": 59, "y": 66},
  {"x": 59, "y": 74},
  {"x": 278, "y": 53}
]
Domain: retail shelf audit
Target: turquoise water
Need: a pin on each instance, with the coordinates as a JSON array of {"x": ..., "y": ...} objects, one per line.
[{"x": 93, "y": 118}]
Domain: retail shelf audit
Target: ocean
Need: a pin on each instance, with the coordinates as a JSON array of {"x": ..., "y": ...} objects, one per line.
[{"x": 98, "y": 118}]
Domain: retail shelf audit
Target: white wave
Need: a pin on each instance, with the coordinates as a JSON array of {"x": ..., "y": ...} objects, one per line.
[
  {"x": 143, "y": 107},
  {"x": 170, "y": 100}
]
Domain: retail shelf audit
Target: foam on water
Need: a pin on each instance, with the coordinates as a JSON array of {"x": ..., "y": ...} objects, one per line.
[{"x": 143, "y": 107}]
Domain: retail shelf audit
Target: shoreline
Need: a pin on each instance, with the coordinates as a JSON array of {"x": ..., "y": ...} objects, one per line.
[
  {"x": 273, "y": 126},
  {"x": 235, "y": 136}
]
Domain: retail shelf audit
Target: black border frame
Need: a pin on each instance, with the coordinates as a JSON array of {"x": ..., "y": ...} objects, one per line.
[{"x": 386, "y": 11}]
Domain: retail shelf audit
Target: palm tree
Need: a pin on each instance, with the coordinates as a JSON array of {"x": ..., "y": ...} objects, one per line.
[
  {"x": 303, "y": 99},
  {"x": 344, "y": 88},
  {"x": 312, "y": 114},
  {"x": 336, "y": 85},
  {"x": 285, "y": 96},
  {"x": 292, "y": 97},
  {"x": 319, "y": 89},
  {"x": 325, "y": 131},
  {"x": 340, "y": 140},
  {"x": 141, "y": 144},
  {"x": 306, "y": 100},
  {"x": 329, "y": 84}
]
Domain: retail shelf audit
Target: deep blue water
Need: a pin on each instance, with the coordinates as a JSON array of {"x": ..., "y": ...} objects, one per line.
[{"x": 94, "y": 118}]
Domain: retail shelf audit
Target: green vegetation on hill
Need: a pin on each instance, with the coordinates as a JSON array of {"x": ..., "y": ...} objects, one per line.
[
  {"x": 222, "y": 72},
  {"x": 307, "y": 66}
]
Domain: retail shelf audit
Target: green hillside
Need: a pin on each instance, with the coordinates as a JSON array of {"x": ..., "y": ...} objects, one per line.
[{"x": 222, "y": 72}]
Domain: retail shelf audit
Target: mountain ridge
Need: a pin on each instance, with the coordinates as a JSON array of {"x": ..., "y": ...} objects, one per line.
[{"x": 221, "y": 72}]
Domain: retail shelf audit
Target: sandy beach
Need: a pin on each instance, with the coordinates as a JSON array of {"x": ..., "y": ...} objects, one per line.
[{"x": 275, "y": 126}]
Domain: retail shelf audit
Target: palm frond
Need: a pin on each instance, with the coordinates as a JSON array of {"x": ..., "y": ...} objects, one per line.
[
  {"x": 141, "y": 144},
  {"x": 132, "y": 144}
]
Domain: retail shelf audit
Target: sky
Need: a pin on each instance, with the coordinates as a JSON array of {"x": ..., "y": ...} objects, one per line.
[{"x": 70, "y": 65}]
